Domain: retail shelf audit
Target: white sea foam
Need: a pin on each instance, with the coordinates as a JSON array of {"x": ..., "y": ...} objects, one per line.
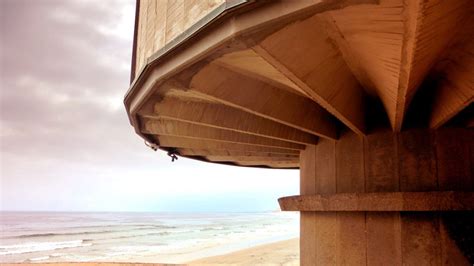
[
  {"x": 40, "y": 246},
  {"x": 39, "y": 258}
]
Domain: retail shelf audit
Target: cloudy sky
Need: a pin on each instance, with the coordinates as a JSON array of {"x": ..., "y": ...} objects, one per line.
[{"x": 66, "y": 143}]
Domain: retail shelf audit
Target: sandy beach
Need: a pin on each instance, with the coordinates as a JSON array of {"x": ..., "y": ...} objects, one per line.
[{"x": 278, "y": 253}]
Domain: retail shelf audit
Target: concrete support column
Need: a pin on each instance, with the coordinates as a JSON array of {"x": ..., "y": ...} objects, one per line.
[{"x": 383, "y": 161}]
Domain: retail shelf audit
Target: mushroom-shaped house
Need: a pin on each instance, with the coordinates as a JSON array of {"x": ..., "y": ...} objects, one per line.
[{"x": 371, "y": 99}]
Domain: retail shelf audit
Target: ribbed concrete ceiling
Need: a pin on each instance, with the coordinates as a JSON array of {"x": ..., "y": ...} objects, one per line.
[{"x": 256, "y": 95}]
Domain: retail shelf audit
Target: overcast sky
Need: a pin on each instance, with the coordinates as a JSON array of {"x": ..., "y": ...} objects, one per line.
[{"x": 66, "y": 143}]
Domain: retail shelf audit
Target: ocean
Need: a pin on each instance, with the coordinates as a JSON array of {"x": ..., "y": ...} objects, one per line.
[{"x": 137, "y": 237}]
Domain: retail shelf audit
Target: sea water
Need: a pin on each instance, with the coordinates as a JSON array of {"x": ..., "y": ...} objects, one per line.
[{"x": 137, "y": 237}]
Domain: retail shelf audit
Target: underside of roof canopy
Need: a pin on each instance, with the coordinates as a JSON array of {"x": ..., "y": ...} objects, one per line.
[{"x": 253, "y": 82}]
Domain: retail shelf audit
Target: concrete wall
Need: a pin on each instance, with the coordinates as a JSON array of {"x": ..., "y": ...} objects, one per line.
[{"x": 411, "y": 161}]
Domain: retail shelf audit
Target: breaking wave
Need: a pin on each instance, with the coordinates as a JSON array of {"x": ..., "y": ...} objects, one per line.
[{"x": 41, "y": 246}]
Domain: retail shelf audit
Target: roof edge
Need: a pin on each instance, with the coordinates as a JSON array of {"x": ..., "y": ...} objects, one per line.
[{"x": 229, "y": 6}]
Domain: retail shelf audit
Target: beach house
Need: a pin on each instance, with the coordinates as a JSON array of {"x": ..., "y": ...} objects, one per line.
[{"x": 370, "y": 99}]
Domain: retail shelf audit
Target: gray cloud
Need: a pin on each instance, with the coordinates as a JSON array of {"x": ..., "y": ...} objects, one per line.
[
  {"x": 63, "y": 75},
  {"x": 64, "y": 70}
]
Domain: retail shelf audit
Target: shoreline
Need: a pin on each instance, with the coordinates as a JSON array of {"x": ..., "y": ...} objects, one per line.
[{"x": 285, "y": 252}]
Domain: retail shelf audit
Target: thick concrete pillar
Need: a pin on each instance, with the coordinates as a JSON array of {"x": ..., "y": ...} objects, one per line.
[{"x": 388, "y": 163}]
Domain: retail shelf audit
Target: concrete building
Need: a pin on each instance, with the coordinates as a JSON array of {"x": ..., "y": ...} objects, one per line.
[{"x": 370, "y": 99}]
